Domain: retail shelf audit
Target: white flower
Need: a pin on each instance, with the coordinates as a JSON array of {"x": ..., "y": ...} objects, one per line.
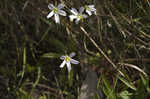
[
  {"x": 78, "y": 16},
  {"x": 56, "y": 11},
  {"x": 68, "y": 60},
  {"x": 89, "y": 9}
]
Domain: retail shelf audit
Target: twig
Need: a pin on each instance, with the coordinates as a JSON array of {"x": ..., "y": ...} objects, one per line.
[
  {"x": 117, "y": 24},
  {"x": 135, "y": 59},
  {"x": 133, "y": 66},
  {"x": 101, "y": 51},
  {"x": 86, "y": 49},
  {"x": 43, "y": 86},
  {"x": 57, "y": 83}
]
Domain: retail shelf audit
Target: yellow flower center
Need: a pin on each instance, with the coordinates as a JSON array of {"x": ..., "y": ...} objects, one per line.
[
  {"x": 67, "y": 58},
  {"x": 79, "y": 16},
  {"x": 55, "y": 10}
]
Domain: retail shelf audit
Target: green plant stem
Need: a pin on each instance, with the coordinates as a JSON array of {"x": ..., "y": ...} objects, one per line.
[
  {"x": 24, "y": 66},
  {"x": 37, "y": 80}
]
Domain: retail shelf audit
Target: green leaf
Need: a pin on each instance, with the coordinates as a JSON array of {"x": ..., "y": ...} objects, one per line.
[
  {"x": 30, "y": 68},
  {"x": 57, "y": 44},
  {"x": 136, "y": 19},
  {"x": 51, "y": 55},
  {"x": 127, "y": 83},
  {"x": 108, "y": 90},
  {"x": 42, "y": 97},
  {"x": 125, "y": 95},
  {"x": 46, "y": 21},
  {"x": 145, "y": 83}
]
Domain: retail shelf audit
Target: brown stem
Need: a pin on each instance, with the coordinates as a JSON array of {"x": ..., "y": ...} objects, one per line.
[{"x": 101, "y": 51}]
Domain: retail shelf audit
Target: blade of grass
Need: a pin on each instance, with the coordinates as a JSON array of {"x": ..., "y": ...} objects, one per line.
[
  {"x": 24, "y": 66},
  {"x": 127, "y": 83},
  {"x": 37, "y": 79}
]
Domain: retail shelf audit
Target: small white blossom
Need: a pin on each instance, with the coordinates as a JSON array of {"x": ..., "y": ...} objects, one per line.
[
  {"x": 56, "y": 11},
  {"x": 77, "y": 15},
  {"x": 68, "y": 60},
  {"x": 89, "y": 9}
]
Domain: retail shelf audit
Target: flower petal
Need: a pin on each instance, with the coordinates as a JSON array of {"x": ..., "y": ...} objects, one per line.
[
  {"x": 51, "y": 6},
  {"x": 74, "y": 11},
  {"x": 89, "y": 12},
  {"x": 72, "y": 17},
  {"x": 95, "y": 13},
  {"x": 84, "y": 16},
  {"x": 74, "y": 61},
  {"x": 72, "y": 54},
  {"x": 63, "y": 64},
  {"x": 62, "y": 57},
  {"x": 68, "y": 66},
  {"x": 92, "y": 9},
  {"x": 60, "y": 6},
  {"x": 77, "y": 20},
  {"x": 61, "y": 12},
  {"x": 57, "y": 18},
  {"x": 50, "y": 14},
  {"x": 81, "y": 9},
  {"x": 91, "y": 6}
]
